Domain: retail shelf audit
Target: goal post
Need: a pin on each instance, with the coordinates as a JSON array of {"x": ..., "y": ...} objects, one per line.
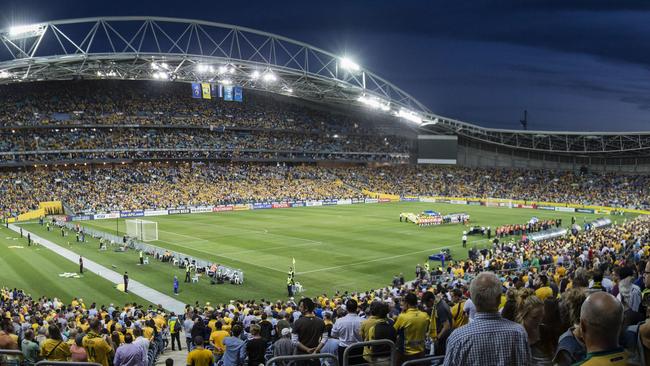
[
  {"x": 498, "y": 202},
  {"x": 143, "y": 230}
]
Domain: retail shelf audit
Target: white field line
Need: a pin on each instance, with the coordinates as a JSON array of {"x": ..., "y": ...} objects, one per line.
[
  {"x": 232, "y": 259},
  {"x": 386, "y": 258},
  {"x": 240, "y": 231}
]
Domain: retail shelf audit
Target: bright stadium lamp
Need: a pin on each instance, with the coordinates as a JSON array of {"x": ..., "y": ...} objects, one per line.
[
  {"x": 226, "y": 82},
  {"x": 26, "y": 31},
  {"x": 202, "y": 68},
  {"x": 160, "y": 75},
  {"x": 347, "y": 64},
  {"x": 255, "y": 75},
  {"x": 223, "y": 69},
  {"x": 4, "y": 74},
  {"x": 374, "y": 103},
  {"x": 269, "y": 77},
  {"x": 409, "y": 115}
]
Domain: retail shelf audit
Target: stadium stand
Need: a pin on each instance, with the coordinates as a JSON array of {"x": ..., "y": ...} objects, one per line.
[{"x": 159, "y": 148}]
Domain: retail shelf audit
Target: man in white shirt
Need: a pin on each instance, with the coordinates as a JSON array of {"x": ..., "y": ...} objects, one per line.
[{"x": 348, "y": 330}]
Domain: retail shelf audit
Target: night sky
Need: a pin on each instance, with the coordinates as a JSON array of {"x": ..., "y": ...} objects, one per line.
[{"x": 574, "y": 65}]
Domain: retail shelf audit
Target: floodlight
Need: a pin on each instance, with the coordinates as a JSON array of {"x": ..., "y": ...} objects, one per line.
[
  {"x": 4, "y": 74},
  {"x": 289, "y": 90},
  {"x": 223, "y": 69},
  {"x": 348, "y": 64},
  {"x": 165, "y": 66},
  {"x": 269, "y": 77},
  {"x": 255, "y": 75},
  {"x": 201, "y": 68},
  {"x": 231, "y": 70},
  {"x": 375, "y": 103},
  {"x": 26, "y": 31},
  {"x": 409, "y": 115},
  {"x": 226, "y": 82},
  {"x": 160, "y": 75}
]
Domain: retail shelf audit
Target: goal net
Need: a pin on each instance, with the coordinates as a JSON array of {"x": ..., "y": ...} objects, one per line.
[
  {"x": 142, "y": 229},
  {"x": 493, "y": 202}
]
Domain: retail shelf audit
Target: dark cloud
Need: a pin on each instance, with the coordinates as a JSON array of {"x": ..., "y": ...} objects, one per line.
[{"x": 576, "y": 63}]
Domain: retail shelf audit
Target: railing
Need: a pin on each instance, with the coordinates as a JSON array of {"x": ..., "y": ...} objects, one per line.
[
  {"x": 429, "y": 361},
  {"x": 11, "y": 357},
  {"x": 291, "y": 360},
  {"x": 388, "y": 359},
  {"x": 65, "y": 363}
]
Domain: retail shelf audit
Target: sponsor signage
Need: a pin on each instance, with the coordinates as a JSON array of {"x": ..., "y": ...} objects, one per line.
[
  {"x": 155, "y": 212},
  {"x": 241, "y": 207},
  {"x": 384, "y": 200},
  {"x": 329, "y": 202},
  {"x": 298, "y": 204},
  {"x": 112, "y": 215},
  {"x": 201, "y": 209},
  {"x": 178, "y": 211},
  {"x": 222, "y": 208},
  {"x": 550, "y": 208},
  {"x": 371, "y": 200},
  {"x": 526, "y": 206},
  {"x": 410, "y": 199},
  {"x": 313, "y": 203},
  {"x": 135, "y": 213},
  {"x": 344, "y": 202},
  {"x": 262, "y": 206},
  {"x": 474, "y": 203},
  {"x": 585, "y": 210},
  {"x": 458, "y": 202},
  {"x": 82, "y": 218},
  {"x": 281, "y": 205},
  {"x": 357, "y": 201},
  {"x": 565, "y": 209},
  {"x": 427, "y": 199}
]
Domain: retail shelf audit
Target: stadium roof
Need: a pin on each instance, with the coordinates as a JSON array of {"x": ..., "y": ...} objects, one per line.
[{"x": 159, "y": 48}]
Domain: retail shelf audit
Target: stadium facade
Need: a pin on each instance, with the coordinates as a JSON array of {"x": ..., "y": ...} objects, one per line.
[{"x": 194, "y": 51}]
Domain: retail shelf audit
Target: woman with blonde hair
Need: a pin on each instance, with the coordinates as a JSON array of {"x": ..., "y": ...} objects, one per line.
[{"x": 530, "y": 313}]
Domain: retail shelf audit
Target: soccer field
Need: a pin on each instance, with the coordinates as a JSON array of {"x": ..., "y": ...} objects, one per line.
[{"x": 347, "y": 248}]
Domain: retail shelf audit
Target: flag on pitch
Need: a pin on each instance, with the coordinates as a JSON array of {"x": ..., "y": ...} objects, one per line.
[
  {"x": 196, "y": 90},
  {"x": 206, "y": 90}
]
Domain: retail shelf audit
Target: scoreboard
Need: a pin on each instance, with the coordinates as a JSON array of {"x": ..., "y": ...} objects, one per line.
[{"x": 437, "y": 149}]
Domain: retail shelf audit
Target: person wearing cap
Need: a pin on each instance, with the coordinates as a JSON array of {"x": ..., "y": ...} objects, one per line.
[{"x": 283, "y": 346}]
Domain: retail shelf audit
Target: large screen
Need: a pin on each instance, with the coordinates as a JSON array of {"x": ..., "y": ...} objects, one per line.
[{"x": 437, "y": 149}]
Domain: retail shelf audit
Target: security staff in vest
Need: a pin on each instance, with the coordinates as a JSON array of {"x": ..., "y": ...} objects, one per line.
[
  {"x": 187, "y": 273},
  {"x": 289, "y": 286},
  {"x": 141, "y": 257}
]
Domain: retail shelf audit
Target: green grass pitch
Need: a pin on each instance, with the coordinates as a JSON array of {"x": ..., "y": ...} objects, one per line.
[{"x": 347, "y": 248}]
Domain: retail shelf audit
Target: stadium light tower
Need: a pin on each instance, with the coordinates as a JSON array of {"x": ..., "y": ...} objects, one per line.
[
  {"x": 25, "y": 31},
  {"x": 347, "y": 64}
]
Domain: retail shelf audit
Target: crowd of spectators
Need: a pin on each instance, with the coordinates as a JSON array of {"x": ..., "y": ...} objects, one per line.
[
  {"x": 568, "y": 300},
  {"x": 160, "y": 185},
  {"x": 608, "y": 189},
  {"x": 152, "y": 103}
]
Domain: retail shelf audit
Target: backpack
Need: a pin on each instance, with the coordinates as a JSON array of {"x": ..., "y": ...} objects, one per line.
[
  {"x": 382, "y": 330},
  {"x": 177, "y": 326}
]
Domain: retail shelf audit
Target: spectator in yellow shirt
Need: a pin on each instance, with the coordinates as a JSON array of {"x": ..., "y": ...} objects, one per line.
[{"x": 54, "y": 348}]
